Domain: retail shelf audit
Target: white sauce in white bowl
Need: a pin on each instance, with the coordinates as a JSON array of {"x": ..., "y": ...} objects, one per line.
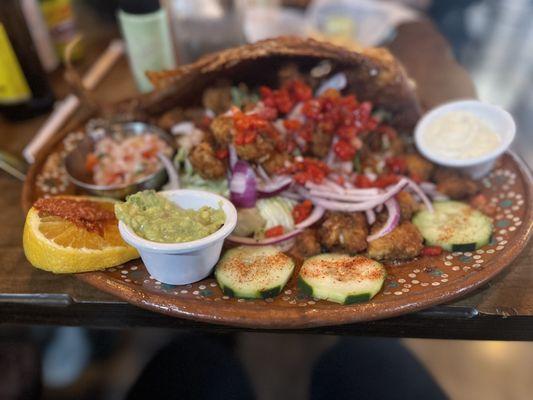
[
  {"x": 467, "y": 134},
  {"x": 460, "y": 135}
]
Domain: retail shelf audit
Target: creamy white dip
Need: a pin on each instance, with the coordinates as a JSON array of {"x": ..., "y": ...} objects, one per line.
[{"x": 460, "y": 135}]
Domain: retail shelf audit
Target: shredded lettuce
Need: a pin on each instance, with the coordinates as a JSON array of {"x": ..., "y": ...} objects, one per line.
[
  {"x": 241, "y": 95},
  {"x": 277, "y": 211},
  {"x": 195, "y": 181}
]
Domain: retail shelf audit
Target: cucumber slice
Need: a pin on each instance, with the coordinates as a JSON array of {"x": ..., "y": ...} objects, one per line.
[
  {"x": 253, "y": 272},
  {"x": 454, "y": 226},
  {"x": 341, "y": 278}
]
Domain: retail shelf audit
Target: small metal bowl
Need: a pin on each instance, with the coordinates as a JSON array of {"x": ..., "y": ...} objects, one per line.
[{"x": 79, "y": 176}]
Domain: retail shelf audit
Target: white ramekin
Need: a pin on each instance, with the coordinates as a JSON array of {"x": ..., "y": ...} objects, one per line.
[
  {"x": 499, "y": 120},
  {"x": 183, "y": 263}
]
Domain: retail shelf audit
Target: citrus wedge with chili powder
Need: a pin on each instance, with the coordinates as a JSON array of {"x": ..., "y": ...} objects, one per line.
[{"x": 69, "y": 234}]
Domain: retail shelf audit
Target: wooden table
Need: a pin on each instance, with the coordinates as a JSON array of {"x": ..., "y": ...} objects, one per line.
[{"x": 502, "y": 310}]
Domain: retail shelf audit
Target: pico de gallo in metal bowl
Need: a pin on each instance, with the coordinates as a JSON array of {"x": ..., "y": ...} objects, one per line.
[{"x": 118, "y": 159}]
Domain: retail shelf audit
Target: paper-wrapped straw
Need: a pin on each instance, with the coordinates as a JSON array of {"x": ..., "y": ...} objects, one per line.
[{"x": 66, "y": 108}]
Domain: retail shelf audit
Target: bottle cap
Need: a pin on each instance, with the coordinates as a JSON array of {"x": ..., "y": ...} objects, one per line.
[{"x": 139, "y": 6}]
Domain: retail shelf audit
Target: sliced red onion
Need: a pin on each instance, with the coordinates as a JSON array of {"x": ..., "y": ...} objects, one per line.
[
  {"x": 333, "y": 186},
  {"x": 345, "y": 207},
  {"x": 296, "y": 112},
  {"x": 300, "y": 141},
  {"x": 331, "y": 153},
  {"x": 274, "y": 186},
  {"x": 243, "y": 186},
  {"x": 420, "y": 193},
  {"x": 440, "y": 197},
  {"x": 183, "y": 128},
  {"x": 328, "y": 186},
  {"x": 370, "y": 216},
  {"x": 352, "y": 205},
  {"x": 371, "y": 176},
  {"x": 346, "y": 167},
  {"x": 337, "y": 81},
  {"x": 428, "y": 187},
  {"x": 264, "y": 242},
  {"x": 233, "y": 158},
  {"x": 315, "y": 215},
  {"x": 262, "y": 173},
  {"x": 278, "y": 124},
  {"x": 341, "y": 196},
  {"x": 393, "y": 219},
  {"x": 172, "y": 172},
  {"x": 292, "y": 195}
]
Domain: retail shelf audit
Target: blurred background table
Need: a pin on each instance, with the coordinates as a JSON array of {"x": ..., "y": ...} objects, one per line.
[{"x": 502, "y": 310}]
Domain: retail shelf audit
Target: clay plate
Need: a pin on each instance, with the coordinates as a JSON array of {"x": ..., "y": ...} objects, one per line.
[{"x": 410, "y": 286}]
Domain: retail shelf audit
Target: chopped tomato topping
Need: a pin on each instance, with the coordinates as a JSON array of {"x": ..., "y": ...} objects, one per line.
[
  {"x": 432, "y": 251},
  {"x": 149, "y": 153},
  {"x": 299, "y": 90},
  {"x": 363, "y": 181},
  {"x": 91, "y": 162},
  {"x": 347, "y": 132},
  {"x": 268, "y": 113},
  {"x": 386, "y": 180},
  {"x": 344, "y": 150},
  {"x": 274, "y": 231},
  {"x": 301, "y": 211},
  {"x": 222, "y": 154},
  {"x": 311, "y": 108},
  {"x": 309, "y": 170},
  {"x": 247, "y": 127},
  {"x": 397, "y": 165},
  {"x": 415, "y": 178},
  {"x": 481, "y": 202},
  {"x": 292, "y": 124},
  {"x": 285, "y": 98}
]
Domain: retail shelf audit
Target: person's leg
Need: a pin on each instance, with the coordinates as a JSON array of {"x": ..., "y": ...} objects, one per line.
[
  {"x": 193, "y": 367},
  {"x": 365, "y": 368}
]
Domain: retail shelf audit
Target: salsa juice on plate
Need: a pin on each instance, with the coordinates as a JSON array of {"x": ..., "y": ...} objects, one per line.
[{"x": 154, "y": 217}]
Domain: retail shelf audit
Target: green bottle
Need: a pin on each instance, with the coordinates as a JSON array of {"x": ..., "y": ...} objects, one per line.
[{"x": 145, "y": 29}]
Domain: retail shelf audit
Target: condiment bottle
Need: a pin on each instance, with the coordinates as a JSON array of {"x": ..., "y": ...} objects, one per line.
[
  {"x": 144, "y": 26},
  {"x": 24, "y": 87},
  {"x": 59, "y": 17}
]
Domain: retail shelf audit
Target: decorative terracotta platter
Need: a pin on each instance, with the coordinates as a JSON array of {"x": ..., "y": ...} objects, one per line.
[{"x": 410, "y": 286}]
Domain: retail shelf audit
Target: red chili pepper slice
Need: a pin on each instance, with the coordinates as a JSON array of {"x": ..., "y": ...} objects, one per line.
[
  {"x": 222, "y": 154},
  {"x": 301, "y": 211},
  {"x": 91, "y": 162},
  {"x": 432, "y": 251},
  {"x": 386, "y": 180},
  {"x": 274, "y": 231}
]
